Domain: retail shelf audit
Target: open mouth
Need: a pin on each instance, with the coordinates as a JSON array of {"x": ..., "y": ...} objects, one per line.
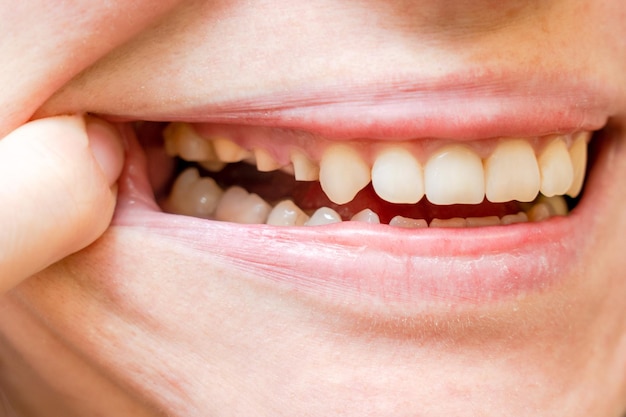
[{"x": 236, "y": 174}]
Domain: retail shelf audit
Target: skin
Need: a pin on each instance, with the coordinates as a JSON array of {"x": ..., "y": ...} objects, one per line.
[{"x": 138, "y": 323}]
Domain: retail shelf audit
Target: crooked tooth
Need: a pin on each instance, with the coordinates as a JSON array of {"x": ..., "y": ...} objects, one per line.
[
  {"x": 322, "y": 216},
  {"x": 578, "y": 154},
  {"x": 286, "y": 213},
  {"x": 397, "y": 176},
  {"x": 343, "y": 173},
  {"x": 366, "y": 216},
  {"x": 304, "y": 169},
  {"x": 454, "y": 175},
  {"x": 264, "y": 161},
  {"x": 239, "y": 206},
  {"x": 228, "y": 151},
  {"x": 408, "y": 223},
  {"x": 557, "y": 172},
  {"x": 512, "y": 173}
]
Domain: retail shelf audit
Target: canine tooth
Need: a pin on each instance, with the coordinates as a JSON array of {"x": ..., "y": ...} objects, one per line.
[
  {"x": 539, "y": 212},
  {"x": 366, "y": 216},
  {"x": 557, "y": 205},
  {"x": 397, "y": 176},
  {"x": 239, "y": 206},
  {"x": 408, "y": 223},
  {"x": 520, "y": 217},
  {"x": 264, "y": 161},
  {"x": 453, "y": 222},
  {"x": 304, "y": 169},
  {"x": 343, "y": 173},
  {"x": 557, "y": 172},
  {"x": 286, "y": 213},
  {"x": 228, "y": 151},
  {"x": 213, "y": 166},
  {"x": 322, "y": 216},
  {"x": 454, "y": 175},
  {"x": 578, "y": 154},
  {"x": 511, "y": 172},
  {"x": 483, "y": 221}
]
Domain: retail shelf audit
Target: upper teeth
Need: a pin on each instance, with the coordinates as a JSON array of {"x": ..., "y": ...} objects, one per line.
[{"x": 457, "y": 173}]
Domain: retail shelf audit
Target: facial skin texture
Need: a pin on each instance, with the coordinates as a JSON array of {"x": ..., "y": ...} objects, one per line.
[{"x": 145, "y": 323}]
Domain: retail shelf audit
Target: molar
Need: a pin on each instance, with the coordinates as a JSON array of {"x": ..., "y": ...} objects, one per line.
[
  {"x": 239, "y": 206},
  {"x": 511, "y": 172},
  {"x": 454, "y": 175},
  {"x": 229, "y": 151},
  {"x": 397, "y": 176},
  {"x": 343, "y": 173}
]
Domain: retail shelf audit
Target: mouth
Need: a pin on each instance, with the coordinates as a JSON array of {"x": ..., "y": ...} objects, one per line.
[{"x": 424, "y": 223}]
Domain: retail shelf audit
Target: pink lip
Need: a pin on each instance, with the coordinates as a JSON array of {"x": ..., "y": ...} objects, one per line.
[{"x": 381, "y": 265}]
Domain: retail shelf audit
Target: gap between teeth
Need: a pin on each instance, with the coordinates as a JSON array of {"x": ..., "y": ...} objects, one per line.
[{"x": 454, "y": 173}]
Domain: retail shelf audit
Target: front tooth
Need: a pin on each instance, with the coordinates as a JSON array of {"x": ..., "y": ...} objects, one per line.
[
  {"x": 239, "y": 206},
  {"x": 366, "y": 216},
  {"x": 264, "y": 161},
  {"x": 229, "y": 151},
  {"x": 557, "y": 172},
  {"x": 408, "y": 223},
  {"x": 455, "y": 222},
  {"x": 304, "y": 169},
  {"x": 397, "y": 176},
  {"x": 323, "y": 216},
  {"x": 343, "y": 173},
  {"x": 483, "y": 221},
  {"x": 578, "y": 154},
  {"x": 286, "y": 213},
  {"x": 512, "y": 173},
  {"x": 454, "y": 175}
]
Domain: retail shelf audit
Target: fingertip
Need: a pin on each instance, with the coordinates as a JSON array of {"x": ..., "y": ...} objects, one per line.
[{"x": 107, "y": 146}]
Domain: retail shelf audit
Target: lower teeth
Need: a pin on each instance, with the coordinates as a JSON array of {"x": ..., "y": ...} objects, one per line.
[{"x": 197, "y": 196}]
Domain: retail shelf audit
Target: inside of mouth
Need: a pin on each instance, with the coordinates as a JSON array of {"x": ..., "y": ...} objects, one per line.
[{"x": 305, "y": 203}]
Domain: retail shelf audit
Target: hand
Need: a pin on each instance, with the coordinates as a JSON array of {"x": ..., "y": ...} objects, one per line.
[{"x": 57, "y": 191}]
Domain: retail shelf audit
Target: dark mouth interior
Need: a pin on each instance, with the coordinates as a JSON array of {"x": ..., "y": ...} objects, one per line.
[{"x": 277, "y": 186}]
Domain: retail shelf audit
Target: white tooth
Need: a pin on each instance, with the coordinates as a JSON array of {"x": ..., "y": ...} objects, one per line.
[
  {"x": 557, "y": 172},
  {"x": 578, "y": 154},
  {"x": 454, "y": 175},
  {"x": 397, "y": 176},
  {"x": 229, "y": 151},
  {"x": 323, "y": 216},
  {"x": 366, "y": 216},
  {"x": 453, "y": 222},
  {"x": 408, "y": 223},
  {"x": 520, "y": 217},
  {"x": 239, "y": 206},
  {"x": 213, "y": 166},
  {"x": 483, "y": 221},
  {"x": 304, "y": 169},
  {"x": 264, "y": 161},
  {"x": 177, "y": 201},
  {"x": 204, "y": 194},
  {"x": 511, "y": 172},
  {"x": 539, "y": 212},
  {"x": 286, "y": 213},
  {"x": 343, "y": 173}
]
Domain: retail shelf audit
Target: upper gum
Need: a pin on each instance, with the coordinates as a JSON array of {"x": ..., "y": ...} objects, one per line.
[{"x": 280, "y": 143}]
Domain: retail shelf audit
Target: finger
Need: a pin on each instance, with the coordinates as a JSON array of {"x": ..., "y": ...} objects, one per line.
[{"x": 57, "y": 191}]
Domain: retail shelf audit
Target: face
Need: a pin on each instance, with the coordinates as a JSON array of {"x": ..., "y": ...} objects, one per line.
[{"x": 342, "y": 208}]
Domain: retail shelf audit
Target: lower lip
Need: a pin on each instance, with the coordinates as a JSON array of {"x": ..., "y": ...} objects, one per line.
[{"x": 353, "y": 262}]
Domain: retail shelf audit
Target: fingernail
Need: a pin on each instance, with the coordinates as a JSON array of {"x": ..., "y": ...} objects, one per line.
[{"x": 106, "y": 145}]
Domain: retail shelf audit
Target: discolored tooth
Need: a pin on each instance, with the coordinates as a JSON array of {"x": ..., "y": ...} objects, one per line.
[
  {"x": 557, "y": 172},
  {"x": 557, "y": 205},
  {"x": 177, "y": 202},
  {"x": 343, "y": 173},
  {"x": 578, "y": 154},
  {"x": 304, "y": 169},
  {"x": 520, "y": 217},
  {"x": 170, "y": 139},
  {"x": 408, "y": 223},
  {"x": 213, "y": 166},
  {"x": 322, "y": 216},
  {"x": 229, "y": 151},
  {"x": 454, "y": 175},
  {"x": 539, "y": 212},
  {"x": 239, "y": 206},
  {"x": 192, "y": 147},
  {"x": 397, "y": 176},
  {"x": 483, "y": 221},
  {"x": 366, "y": 216},
  {"x": 286, "y": 213},
  {"x": 511, "y": 172},
  {"x": 264, "y": 161},
  {"x": 205, "y": 195},
  {"x": 456, "y": 222}
]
